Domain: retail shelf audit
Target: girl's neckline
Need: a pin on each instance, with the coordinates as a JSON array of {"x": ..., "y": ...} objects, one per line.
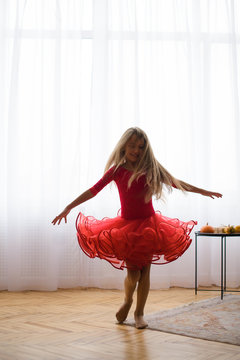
[
  {"x": 127, "y": 169},
  {"x": 130, "y": 171}
]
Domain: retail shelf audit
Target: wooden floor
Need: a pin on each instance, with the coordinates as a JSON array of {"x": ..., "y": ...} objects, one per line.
[{"x": 80, "y": 324}]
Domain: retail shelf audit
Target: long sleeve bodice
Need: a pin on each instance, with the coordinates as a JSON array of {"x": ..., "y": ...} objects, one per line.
[{"x": 133, "y": 205}]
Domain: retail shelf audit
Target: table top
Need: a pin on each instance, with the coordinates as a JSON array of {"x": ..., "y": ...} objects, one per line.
[{"x": 199, "y": 233}]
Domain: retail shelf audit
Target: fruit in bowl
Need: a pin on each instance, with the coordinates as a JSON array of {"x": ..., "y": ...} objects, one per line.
[
  {"x": 229, "y": 229},
  {"x": 219, "y": 229},
  {"x": 237, "y": 229},
  {"x": 207, "y": 229}
]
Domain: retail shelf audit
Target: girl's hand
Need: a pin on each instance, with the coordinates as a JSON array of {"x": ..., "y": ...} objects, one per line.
[
  {"x": 59, "y": 218},
  {"x": 211, "y": 194}
]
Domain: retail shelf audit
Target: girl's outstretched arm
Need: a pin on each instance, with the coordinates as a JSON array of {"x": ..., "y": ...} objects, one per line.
[
  {"x": 197, "y": 190},
  {"x": 79, "y": 200}
]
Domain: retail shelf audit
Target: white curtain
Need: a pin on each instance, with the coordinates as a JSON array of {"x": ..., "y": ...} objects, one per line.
[{"x": 74, "y": 75}]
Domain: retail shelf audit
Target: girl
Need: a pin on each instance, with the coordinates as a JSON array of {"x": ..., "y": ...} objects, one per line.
[{"x": 138, "y": 236}]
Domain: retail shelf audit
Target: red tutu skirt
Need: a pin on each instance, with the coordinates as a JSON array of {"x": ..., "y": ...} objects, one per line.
[{"x": 134, "y": 243}]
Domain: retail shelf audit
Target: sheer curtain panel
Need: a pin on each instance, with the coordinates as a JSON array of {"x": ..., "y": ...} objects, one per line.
[{"x": 74, "y": 75}]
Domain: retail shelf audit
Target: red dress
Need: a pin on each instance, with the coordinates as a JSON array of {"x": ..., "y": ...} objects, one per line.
[{"x": 138, "y": 235}]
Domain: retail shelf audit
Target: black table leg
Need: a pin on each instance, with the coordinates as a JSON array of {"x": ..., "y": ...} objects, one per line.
[
  {"x": 221, "y": 267},
  {"x": 196, "y": 285},
  {"x": 225, "y": 264}
]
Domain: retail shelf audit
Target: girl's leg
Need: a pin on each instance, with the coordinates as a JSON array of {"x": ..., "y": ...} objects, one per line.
[
  {"x": 142, "y": 294},
  {"x": 130, "y": 283}
]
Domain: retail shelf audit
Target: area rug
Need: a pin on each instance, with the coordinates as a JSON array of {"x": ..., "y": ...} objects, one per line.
[{"x": 212, "y": 319}]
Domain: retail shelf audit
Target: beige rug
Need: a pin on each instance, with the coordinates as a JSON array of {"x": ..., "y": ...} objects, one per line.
[{"x": 212, "y": 319}]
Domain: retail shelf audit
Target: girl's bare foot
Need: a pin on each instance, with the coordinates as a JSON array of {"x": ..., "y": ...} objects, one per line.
[
  {"x": 140, "y": 323},
  {"x": 122, "y": 313}
]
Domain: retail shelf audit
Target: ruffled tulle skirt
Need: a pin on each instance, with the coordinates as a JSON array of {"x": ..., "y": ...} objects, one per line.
[{"x": 134, "y": 243}]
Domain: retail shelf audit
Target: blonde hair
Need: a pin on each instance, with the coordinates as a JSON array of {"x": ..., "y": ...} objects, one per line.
[{"x": 156, "y": 174}]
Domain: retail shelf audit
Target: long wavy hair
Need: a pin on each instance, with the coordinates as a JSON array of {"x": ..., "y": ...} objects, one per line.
[{"x": 156, "y": 174}]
